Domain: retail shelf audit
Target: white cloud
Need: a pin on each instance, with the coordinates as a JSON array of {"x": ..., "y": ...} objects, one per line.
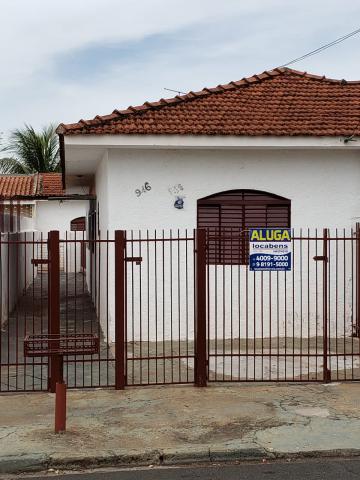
[
  {"x": 33, "y": 32},
  {"x": 224, "y": 41}
]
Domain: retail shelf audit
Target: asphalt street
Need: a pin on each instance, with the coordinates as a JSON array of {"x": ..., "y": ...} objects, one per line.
[{"x": 329, "y": 469}]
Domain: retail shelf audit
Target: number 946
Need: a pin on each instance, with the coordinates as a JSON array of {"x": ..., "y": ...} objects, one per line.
[{"x": 145, "y": 188}]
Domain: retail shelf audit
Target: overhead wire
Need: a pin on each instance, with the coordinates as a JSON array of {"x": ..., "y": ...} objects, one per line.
[{"x": 322, "y": 48}]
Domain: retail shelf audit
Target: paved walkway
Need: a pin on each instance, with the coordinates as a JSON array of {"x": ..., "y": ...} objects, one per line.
[
  {"x": 261, "y": 359},
  {"x": 77, "y": 314},
  {"x": 164, "y": 425}
]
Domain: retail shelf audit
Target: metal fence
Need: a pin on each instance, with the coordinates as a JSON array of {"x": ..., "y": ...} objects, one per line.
[
  {"x": 301, "y": 325},
  {"x": 165, "y": 312},
  {"x": 160, "y": 307},
  {"x": 24, "y": 310}
]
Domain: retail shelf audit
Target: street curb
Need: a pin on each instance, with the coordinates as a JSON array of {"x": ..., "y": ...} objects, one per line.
[
  {"x": 335, "y": 453},
  {"x": 106, "y": 459},
  {"x": 33, "y": 462},
  {"x": 246, "y": 451},
  {"x": 185, "y": 455},
  {"x": 167, "y": 456}
]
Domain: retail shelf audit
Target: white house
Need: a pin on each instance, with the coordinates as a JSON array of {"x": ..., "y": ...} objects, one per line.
[
  {"x": 284, "y": 132},
  {"x": 39, "y": 203},
  {"x": 276, "y": 149}
]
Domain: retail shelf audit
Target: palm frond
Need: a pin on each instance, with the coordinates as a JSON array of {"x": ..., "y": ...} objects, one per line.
[
  {"x": 12, "y": 166},
  {"x": 37, "y": 152}
]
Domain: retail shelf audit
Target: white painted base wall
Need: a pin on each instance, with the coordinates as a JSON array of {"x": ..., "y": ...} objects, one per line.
[{"x": 16, "y": 271}]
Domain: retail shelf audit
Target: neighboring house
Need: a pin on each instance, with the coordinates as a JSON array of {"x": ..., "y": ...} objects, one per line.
[
  {"x": 279, "y": 149},
  {"x": 31, "y": 206},
  {"x": 38, "y": 202}
]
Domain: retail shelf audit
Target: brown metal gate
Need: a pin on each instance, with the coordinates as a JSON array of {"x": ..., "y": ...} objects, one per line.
[
  {"x": 168, "y": 310},
  {"x": 164, "y": 307},
  {"x": 298, "y": 326}
]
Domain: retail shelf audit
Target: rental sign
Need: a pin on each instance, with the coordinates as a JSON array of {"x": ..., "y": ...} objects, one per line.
[{"x": 270, "y": 249}]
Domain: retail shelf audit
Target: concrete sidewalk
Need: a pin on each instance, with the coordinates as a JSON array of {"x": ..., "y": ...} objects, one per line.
[{"x": 180, "y": 425}]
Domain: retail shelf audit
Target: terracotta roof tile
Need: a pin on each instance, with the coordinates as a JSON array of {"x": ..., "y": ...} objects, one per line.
[
  {"x": 51, "y": 184},
  {"x": 36, "y": 185},
  {"x": 277, "y": 102}
]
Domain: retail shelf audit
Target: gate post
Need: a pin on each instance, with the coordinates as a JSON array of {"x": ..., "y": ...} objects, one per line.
[
  {"x": 327, "y": 372},
  {"x": 120, "y": 247},
  {"x": 200, "y": 319},
  {"x": 54, "y": 304}
]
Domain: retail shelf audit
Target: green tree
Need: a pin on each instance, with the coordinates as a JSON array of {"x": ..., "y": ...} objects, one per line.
[{"x": 28, "y": 151}]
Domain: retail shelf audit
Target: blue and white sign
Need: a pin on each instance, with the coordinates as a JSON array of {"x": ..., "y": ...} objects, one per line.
[{"x": 270, "y": 249}]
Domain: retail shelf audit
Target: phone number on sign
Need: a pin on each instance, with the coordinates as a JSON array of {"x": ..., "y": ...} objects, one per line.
[
  {"x": 271, "y": 258},
  {"x": 272, "y": 264}
]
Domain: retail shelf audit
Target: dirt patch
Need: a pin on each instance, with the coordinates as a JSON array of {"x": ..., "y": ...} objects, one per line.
[{"x": 215, "y": 433}]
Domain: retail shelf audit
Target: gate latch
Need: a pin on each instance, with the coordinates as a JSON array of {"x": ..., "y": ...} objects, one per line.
[
  {"x": 320, "y": 258},
  {"x": 137, "y": 260}
]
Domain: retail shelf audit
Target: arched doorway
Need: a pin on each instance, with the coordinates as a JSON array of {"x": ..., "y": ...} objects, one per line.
[{"x": 78, "y": 224}]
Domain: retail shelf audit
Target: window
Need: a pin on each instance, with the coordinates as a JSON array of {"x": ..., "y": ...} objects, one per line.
[{"x": 227, "y": 217}]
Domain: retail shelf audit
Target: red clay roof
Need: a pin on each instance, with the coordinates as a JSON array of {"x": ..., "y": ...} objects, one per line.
[
  {"x": 51, "y": 184},
  {"x": 278, "y": 102},
  {"x": 36, "y": 185}
]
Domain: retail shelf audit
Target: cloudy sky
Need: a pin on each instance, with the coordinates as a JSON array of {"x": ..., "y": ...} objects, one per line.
[{"x": 62, "y": 61}]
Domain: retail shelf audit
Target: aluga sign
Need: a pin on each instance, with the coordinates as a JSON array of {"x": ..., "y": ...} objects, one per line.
[{"x": 270, "y": 249}]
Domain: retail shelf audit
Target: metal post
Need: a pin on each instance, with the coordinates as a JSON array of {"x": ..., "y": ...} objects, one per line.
[
  {"x": 18, "y": 215},
  {"x": 11, "y": 216},
  {"x": 357, "y": 325},
  {"x": 120, "y": 246},
  {"x": 54, "y": 304},
  {"x": 60, "y": 407},
  {"x": 327, "y": 373},
  {"x": 200, "y": 340}
]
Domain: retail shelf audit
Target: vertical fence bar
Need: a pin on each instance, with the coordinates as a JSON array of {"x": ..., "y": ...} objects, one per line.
[
  {"x": 326, "y": 374},
  {"x": 2, "y": 296},
  {"x": 200, "y": 340},
  {"x": 54, "y": 304},
  {"x": 120, "y": 285},
  {"x": 357, "y": 296}
]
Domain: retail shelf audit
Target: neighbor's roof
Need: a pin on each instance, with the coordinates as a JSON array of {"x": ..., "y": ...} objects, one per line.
[
  {"x": 37, "y": 185},
  {"x": 277, "y": 102}
]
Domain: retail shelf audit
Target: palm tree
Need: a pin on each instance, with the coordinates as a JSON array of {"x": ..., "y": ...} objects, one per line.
[{"x": 31, "y": 151}]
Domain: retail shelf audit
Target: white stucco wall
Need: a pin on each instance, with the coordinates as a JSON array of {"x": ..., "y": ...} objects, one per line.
[
  {"x": 100, "y": 264},
  {"x": 103, "y": 198},
  {"x": 322, "y": 184},
  {"x": 57, "y": 214},
  {"x": 16, "y": 270}
]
